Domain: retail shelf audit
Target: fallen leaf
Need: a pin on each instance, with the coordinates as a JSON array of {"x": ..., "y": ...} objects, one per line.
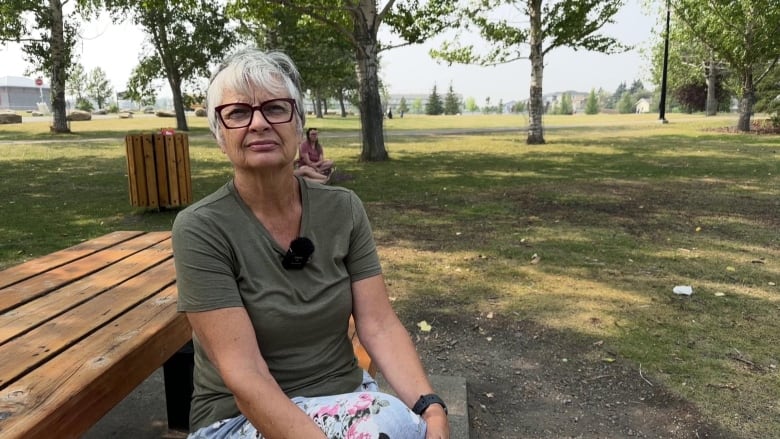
[
  {"x": 489, "y": 315},
  {"x": 608, "y": 360},
  {"x": 730, "y": 268},
  {"x": 698, "y": 229},
  {"x": 720, "y": 294},
  {"x": 490, "y": 395},
  {"x": 535, "y": 259},
  {"x": 424, "y": 326}
]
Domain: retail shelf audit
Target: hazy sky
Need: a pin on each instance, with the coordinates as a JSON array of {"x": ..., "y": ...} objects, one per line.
[{"x": 410, "y": 70}]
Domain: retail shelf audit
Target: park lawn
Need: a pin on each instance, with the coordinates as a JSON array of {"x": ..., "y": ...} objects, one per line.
[{"x": 588, "y": 233}]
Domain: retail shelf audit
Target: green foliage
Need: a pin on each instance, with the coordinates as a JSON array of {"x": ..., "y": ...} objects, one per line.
[
  {"x": 325, "y": 59},
  {"x": 568, "y": 23},
  {"x": 592, "y": 104},
  {"x": 626, "y": 104},
  {"x": 451, "y": 102},
  {"x": 417, "y": 106},
  {"x": 518, "y": 107},
  {"x": 566, "y": 105},
  {"x": 76, "y": 85},
  {"x": 187, "y": 36},
  {"x": 768, "y": 94},
  {"x": 140, "y": 87},
  {"x": 30, "y": 22},
  {"x": 84, "y": 104},
  {"x": 550, "y": 25},
  {"x": 434, "y": 105},
  {"x": 416, "y": 21},
  {"x": 99, "y": 87},
  {"x": 471, "y": 105},
  {"x": 402, "y": 107},
  {"x": 741, "y": 34}
]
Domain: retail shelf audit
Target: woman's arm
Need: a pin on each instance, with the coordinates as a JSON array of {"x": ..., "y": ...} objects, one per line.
[
  {"x": 229, "y": 340},
  {"x": 389, "y": 345}
]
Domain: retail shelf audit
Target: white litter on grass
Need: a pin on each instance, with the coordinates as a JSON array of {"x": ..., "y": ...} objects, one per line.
[{"x": 683, "y": 290}]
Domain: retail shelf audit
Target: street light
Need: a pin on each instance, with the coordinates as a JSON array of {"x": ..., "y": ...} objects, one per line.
[{"x": 662, "y": 105}]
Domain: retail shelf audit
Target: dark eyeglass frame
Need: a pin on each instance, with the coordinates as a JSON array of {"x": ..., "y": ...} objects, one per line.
[{"x": 254, "y": 108}]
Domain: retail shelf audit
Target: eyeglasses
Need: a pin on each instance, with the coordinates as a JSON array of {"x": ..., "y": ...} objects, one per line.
[{"x": 239, "y": 114}]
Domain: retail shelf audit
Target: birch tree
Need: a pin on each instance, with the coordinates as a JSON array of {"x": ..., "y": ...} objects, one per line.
[
  {"x": 548, "y": 25},
  {"x": 47, "y": 36}
]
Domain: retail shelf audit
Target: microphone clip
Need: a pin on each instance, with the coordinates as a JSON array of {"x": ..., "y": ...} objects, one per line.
[{"x": 298, "y": 254}]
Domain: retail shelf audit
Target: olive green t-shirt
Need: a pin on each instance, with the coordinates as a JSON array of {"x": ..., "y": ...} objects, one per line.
[{"x": 225, "y": 258}]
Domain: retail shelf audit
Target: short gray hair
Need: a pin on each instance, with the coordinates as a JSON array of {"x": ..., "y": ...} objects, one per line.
[{"x": 247, "y": 69}]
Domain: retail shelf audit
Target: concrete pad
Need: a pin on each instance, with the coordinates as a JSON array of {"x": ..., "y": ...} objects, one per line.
[
  {"x": 452, "y": 390},
  {"x": 142, "y": 414}
]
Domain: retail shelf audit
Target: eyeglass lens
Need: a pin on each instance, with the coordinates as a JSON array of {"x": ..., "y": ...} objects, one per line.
[{"x": 239, "y": 115}]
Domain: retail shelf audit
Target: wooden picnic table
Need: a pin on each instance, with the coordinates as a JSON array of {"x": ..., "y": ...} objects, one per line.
[{"x": 81, "y": 328}]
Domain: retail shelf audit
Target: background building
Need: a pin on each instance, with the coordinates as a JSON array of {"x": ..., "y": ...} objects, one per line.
[{"x": 18, "y": 93}]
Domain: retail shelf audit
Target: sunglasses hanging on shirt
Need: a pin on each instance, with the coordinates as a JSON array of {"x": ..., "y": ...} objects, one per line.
[{"x": 298, "y": 254}]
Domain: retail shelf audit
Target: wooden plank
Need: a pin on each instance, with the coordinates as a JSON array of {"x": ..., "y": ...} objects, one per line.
[
  {"x": 45, "y": 308},
  {"x": 132, "y": 176},
  {"x": 161, "y": 169},
  {"x": 140, "y": 166},
  {"x": 36, "y": 286},
  {"x": 183, "y": 168},
  {"x": 172, "y": 182},
  {"x": 151, "y": 172},
  {"x": 28, "y": 269},
  {"x": 29, "y": 351},
  {"x": 63, "y": 398}
]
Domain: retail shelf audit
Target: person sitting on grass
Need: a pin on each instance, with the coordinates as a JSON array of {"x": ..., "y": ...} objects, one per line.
[{"x": 311, "y": 154}]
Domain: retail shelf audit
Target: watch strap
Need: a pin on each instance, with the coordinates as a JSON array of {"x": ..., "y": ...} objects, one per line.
[{"x": 425, "y": 401}]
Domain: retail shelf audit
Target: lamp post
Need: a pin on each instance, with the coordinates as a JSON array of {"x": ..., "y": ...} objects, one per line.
[{"x": 662, "y": 105}]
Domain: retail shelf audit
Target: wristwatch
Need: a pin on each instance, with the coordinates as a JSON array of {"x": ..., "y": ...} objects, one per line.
[{"x": 425, "y": 401}]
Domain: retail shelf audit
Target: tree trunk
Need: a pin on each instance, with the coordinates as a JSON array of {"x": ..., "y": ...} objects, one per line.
[
  {"x": 178, "y": 107},
  {"x": 746, "y": 101},
  {"x": 341, "y": 103},
  {"x": 58, "y": 69},
  {"x": 536, "y": 104},
  {"x": 712, "y": 80},
  {"x": 317, "y": 105},
  {"x": 371, "y": 117}
]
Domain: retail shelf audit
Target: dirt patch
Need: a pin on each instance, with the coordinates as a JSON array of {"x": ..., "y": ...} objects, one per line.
[
  {"x": 528, "y": 381},
  {"x": 760, "y": 126}
]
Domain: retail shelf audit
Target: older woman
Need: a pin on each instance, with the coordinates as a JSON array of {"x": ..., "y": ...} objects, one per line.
[{"x": 269, "y": 269}]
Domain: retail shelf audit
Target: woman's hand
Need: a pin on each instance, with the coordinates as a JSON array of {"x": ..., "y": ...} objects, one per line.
[{"x": 436, "y": 419}]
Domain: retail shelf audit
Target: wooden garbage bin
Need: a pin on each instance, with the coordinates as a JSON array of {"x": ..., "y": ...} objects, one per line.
[{"x": 158, "y": 170}]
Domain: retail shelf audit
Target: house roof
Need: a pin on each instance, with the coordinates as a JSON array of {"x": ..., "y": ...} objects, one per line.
[{"x": 19, "y": 81}]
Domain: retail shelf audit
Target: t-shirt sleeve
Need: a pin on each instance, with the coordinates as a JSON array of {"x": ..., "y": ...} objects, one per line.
[
  {"x": 204, "y": 273},
  {"x": 363, "y": 260}
]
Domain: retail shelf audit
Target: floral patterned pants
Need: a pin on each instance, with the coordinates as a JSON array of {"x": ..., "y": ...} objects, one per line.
[{"x": 365, "y": 413}]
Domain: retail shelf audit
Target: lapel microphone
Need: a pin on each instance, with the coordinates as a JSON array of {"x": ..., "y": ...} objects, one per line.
[{"x": 298, "y": 255}]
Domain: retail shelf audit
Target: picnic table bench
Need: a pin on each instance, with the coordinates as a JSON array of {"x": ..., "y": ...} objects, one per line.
[{"x": 82, "y": 327}]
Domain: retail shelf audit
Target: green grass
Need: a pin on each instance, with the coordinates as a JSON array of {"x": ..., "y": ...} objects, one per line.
[{"x": 619, "y": 209}]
